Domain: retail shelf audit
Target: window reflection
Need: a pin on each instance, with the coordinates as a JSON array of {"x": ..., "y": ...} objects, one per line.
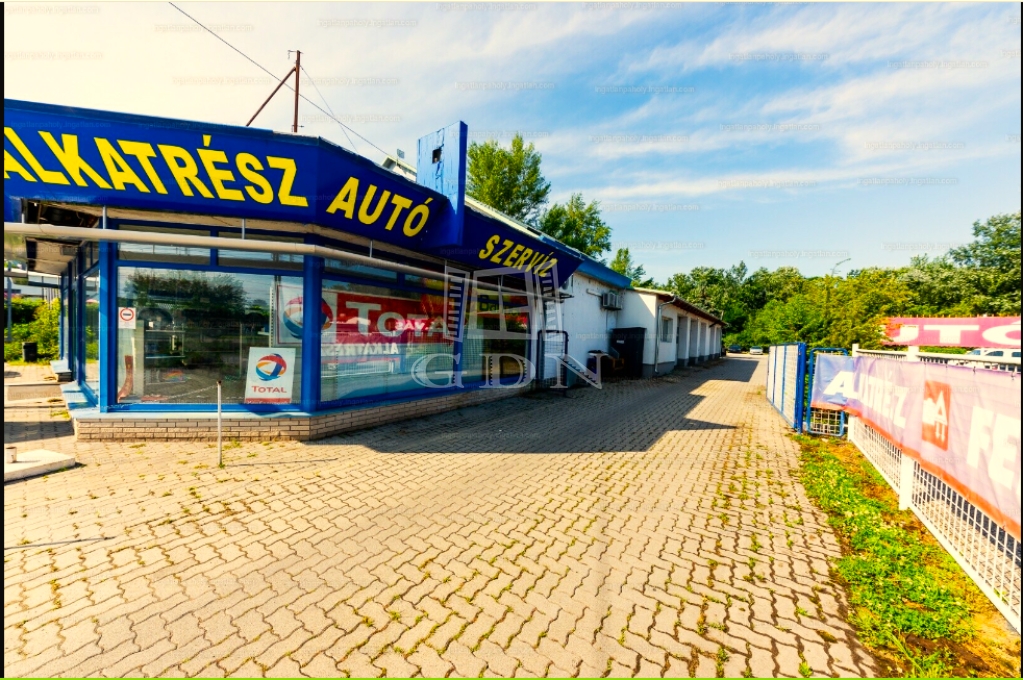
[{"x": 191, "y": 329}]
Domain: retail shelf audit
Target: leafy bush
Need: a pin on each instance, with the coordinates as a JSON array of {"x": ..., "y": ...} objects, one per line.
[
  {"x": 42, "y": 329},
  {"x": 23, "y": 311}
]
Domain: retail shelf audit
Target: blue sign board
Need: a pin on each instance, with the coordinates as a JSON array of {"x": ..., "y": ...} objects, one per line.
[
  {"x": 90, "y": 157},
  {"x": 80, "y": 156}
]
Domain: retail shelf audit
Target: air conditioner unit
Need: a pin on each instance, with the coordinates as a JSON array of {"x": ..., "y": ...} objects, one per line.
[{"x": 610, "y": 301}]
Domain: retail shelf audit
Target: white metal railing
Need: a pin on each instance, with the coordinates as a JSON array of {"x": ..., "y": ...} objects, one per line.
[
  {"x": 894, "y": 356},
  {"x": 826, "y": 422},
  {"x": 985, "y": 551},
  {"x": 884, "y": 455},
  {"x": 1011, "y": 364}
]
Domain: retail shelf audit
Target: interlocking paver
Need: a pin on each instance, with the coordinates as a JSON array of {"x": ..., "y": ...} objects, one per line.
[{"x": 607, "y": 534}]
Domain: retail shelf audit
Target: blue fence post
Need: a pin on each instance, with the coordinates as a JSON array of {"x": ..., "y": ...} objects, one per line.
[
  {"x": 808, "y": 398},
  {"x": 785, "y": 375},
  {"x": 800, "y": 406}
]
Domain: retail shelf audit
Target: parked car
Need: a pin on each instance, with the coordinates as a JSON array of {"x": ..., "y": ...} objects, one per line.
[
  {"x": 756, "y": 351},
  {"x": 734, "y": 349},
  {"x": 988, "y": 354}
]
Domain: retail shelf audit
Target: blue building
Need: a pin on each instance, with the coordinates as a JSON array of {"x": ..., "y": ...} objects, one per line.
[{"x": 187, "y": 253}]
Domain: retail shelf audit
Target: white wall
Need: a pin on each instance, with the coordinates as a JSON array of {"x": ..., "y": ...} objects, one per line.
[
  {"x": 669, "y": 350},
  {"x": 638, "y": 312},
  {"x": 589, "y": 327},
  {"x": 684, "y": 351}
]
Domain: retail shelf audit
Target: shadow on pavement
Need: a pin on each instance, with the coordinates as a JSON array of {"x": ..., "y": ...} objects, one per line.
[
  {"x": 33, "y": 424},
  {"x": 624, "y": 417}
]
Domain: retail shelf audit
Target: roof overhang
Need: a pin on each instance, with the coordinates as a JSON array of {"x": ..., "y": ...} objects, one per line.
[
  {"x": 679, "y": 303},
  {"x": 39, "y": 255}
]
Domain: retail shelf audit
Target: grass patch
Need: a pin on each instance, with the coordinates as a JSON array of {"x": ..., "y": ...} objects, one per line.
[{"x": 911, "y": 603}]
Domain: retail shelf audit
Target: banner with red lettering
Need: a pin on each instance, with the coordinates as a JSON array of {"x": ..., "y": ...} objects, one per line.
[
  {"x": 981, "y": 332},
  {"x": 362, "y": 319},
  {"x": 962, "y": 425}
]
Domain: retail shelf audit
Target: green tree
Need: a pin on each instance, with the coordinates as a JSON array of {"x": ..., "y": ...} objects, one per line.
[
  {"x": 624, "y": 265},
  {"x": 578, "y": 225},
  {"x": 508, "y": 180},
  {"x": 994, "y": 259}
]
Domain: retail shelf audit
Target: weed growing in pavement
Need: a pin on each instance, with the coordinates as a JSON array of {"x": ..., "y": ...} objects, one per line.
[
  {"x": 910, "y": 602},
  {"x": 722, "y": 659},
  {"x": 895, "y": 581}
]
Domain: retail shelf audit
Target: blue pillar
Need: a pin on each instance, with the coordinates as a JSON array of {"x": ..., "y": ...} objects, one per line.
[
  {"x": 312, "y": 325},
  {"x": 80, "y": 321},
  {"x": 107, "y": 327},
  {"x": 61, "y": 330}
]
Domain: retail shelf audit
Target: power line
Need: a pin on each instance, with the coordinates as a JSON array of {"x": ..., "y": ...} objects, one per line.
[
  {"x": 315, "y": 87},
  {"x": 344, "y": 127}
]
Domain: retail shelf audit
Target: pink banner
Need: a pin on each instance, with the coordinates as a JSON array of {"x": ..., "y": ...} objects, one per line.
[
  {"x": 962, "y": 425},
  {"x": 981, "y": 332}
]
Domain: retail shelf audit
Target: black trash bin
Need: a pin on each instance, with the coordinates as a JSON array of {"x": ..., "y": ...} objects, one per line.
[
  {"x": 30, "y": 352},
  {"x": 629, "y": 343}
]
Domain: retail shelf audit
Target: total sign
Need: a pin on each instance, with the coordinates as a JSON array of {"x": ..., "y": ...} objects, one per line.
[{"x": 271, "y": 375}]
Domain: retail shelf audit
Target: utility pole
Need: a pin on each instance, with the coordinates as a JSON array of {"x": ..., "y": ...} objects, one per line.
[
  {"x": 298, "y": 68},
  {"x": 294, "y": 69}
]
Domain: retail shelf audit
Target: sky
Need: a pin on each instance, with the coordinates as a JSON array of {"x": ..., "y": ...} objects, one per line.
[{"x": 828, "y": 137}]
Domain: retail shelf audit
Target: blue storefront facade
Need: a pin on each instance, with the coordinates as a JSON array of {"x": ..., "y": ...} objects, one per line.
[{"x": 187, "y": 251}]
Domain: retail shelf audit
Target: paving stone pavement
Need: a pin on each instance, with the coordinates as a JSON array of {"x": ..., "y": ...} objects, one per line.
[{"x": 651, "y": 529}]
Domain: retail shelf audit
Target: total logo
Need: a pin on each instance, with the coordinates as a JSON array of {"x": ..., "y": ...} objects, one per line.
[
  {"x": 271, "y": 367},
  {"x": 292, "y": 316}
]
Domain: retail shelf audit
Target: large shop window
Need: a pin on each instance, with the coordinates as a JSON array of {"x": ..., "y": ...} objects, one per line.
[
  {"x": 185, "y": 330},
  {"x": 377, "y": 342},
  {"x": 92, "y": 330},
  {"x": 249, "y": 258},
  {"x": 159, "y": 253},
  {"x": 497, "y": 338}
]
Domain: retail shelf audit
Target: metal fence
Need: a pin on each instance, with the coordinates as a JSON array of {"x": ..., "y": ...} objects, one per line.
[
  {"x": 1011, "y": 364},
  {"x": 989, "y": 555},
  {"x": 817, "y": 420},
  {"x": 786, "y": 382}
]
